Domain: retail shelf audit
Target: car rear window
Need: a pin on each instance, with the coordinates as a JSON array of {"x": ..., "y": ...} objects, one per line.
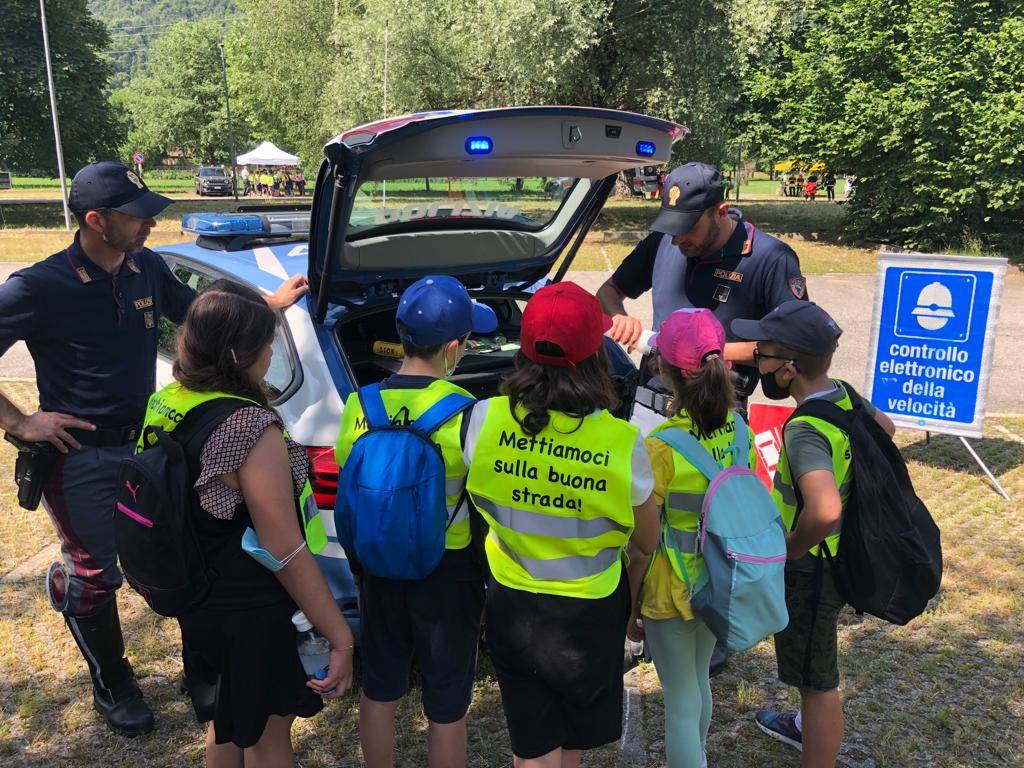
[{"x": 525, "y": 203}]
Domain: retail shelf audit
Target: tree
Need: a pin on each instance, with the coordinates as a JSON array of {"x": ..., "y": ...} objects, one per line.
[
  {"x": 922, "y": 102},
  {"x": 88, "y": 128},
  {"x": 180, "y": 105},
  {"x": 651, "y": 56},
  {"x": 281, "y": 59}
]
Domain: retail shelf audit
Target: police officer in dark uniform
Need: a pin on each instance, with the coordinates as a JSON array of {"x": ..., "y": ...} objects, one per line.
[
  {"x": 701, "y": 253},
  {"x": 90, "y": 316}
]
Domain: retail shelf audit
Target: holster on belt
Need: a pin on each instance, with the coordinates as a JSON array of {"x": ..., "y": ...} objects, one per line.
[{"x": 32, "y": 469}]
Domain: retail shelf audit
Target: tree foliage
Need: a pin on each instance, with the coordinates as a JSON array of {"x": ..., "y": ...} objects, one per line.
[
  {"x": 88, "y": 127},
  {"x": 180, "y": 104},
  {"x": 922, "y": 101},
  {"x": 281, "y": 58},
  {"x": 662, "y": 57}
]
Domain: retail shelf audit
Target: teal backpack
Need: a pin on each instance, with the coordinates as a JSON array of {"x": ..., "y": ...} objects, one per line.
[{"x": 741, "y": 592}]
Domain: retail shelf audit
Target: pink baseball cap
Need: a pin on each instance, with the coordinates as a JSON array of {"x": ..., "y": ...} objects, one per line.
[{"x": 688, "y": 336}]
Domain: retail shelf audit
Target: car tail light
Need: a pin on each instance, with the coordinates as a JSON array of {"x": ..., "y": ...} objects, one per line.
[{"x": 323, "y": 476}]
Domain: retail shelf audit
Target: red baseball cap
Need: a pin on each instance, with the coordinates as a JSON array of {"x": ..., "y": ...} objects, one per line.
[
  {"x": 566, "y": 315},
  {"x": 688, "y": 336}
]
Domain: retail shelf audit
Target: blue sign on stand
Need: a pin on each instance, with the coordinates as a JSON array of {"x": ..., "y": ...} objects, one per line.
[{"x": 932, "y": 340}]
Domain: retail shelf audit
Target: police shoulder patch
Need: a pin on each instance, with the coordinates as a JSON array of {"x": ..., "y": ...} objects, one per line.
[{"x": 798, "y": 286}]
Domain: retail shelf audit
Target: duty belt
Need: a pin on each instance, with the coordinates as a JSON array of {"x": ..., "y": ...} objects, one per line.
[{"x": 105, "y": 437}]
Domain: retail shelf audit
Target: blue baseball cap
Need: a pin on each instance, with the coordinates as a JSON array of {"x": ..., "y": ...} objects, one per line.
[
  {"x": 437, "y": 308},
  {"x": 115, "y": 187},
  {"x": 688, "y": 191}
]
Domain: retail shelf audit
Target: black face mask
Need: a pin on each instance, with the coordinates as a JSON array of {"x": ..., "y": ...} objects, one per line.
[{"x": 771, "y": 388}]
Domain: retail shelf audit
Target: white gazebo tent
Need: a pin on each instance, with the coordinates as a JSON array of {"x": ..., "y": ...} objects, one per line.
[{"x": 267, "y": 154}]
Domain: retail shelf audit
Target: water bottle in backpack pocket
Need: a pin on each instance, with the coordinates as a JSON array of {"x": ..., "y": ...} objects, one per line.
[
  {"x": 740, "y": 593},
  {"x": 391, "y": 511}
]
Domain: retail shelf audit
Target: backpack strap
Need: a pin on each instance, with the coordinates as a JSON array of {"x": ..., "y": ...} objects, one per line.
[
  {"x": 740, "y": 441},
  {"x": 441, "y": 412},
  {"x": 691, "y": 449},
  {"x": 373, "y": 406}
]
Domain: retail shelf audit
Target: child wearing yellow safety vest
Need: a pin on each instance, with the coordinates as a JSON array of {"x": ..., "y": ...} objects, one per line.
[
  {"x": 795, "y": 344},
  {"x": 690, "y": 344},
  {"x": 241, "y": 669},
  {"x": 435, "y": 620},
  {"x": 564, "y": 487}
]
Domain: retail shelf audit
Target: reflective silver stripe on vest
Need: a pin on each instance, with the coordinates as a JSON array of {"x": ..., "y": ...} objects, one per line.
[
  {"x": 785, "y": 491},
  {"x": 539, "y": 524},
  {"x": 453, "y": 486},
  {"x": 684, "y": 541},
  {"x": 688, "y": 502},
  {"x": 463, "y": 513},
  {"x": 563, "y": 568}
]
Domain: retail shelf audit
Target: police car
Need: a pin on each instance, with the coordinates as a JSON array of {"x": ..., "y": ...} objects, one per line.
[{"x": 457, "y": 192}]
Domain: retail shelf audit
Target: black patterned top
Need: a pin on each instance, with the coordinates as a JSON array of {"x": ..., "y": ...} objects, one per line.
[{"x": 227, "y": 448}]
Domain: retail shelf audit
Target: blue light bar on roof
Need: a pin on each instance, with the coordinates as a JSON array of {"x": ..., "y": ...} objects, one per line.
[
  {"x": 285, "y": 224},
  {"x": 645, "y": 148},
  {"x": 479, "y": 145}
]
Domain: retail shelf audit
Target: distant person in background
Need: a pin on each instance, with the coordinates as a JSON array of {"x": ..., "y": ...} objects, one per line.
[
  {"x": 277, "y": 183},
  {"x": 267, "y": 181},
  {"x": 792, "y": 184},
  {"x": 287, "y": 184},
  {"x": 783, "y": 188},
  {"x": 246, "y": 184},
  {"x": 851, "y": 183},
  {"x": 830, "y": 185},
  {"x": 811, "y": 189},
  {"x": 300, "y": 181},
  {"x": 800, "y": 187}
]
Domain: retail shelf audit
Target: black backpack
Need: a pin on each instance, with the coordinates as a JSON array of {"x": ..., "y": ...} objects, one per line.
[
  {"x": 889, "y": 561},
  {"x": 154, "y": 515}
]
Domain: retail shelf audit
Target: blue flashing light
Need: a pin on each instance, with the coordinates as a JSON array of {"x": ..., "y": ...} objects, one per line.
[
  {"x": 223, "y": 224},
  {"x": 645, "y": 148},
  {"x": 479, "y": 145},
  {"x": 285, "y": 223}
]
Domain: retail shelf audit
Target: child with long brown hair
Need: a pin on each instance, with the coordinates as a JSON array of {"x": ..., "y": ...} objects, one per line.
[
  {"x": 564, "y": 487},
  {"x": 690, "y": 346},
  {"x": 242, "y": 671}
]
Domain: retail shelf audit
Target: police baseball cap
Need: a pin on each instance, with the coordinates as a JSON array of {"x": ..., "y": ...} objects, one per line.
[
  {"x": 116, "y": 187},
  {"x": 688, "y": 191},
  {"x": 801, "y": 326},
  {"x": 437, "y": 308}
]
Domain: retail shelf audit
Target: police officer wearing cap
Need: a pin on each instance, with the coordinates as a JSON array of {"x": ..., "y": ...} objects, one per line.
[
  {"x": 701, "y": 253},
  {"x": 90, "y": 316}
]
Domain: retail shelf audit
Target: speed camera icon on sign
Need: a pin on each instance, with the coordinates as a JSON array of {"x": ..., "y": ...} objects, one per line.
[{"x": 936, "y": 306}]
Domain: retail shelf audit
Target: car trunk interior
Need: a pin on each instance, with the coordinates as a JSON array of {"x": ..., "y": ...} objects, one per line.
[{"x": 369, "y": 342}]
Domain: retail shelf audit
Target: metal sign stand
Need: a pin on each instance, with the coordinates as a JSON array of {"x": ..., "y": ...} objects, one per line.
[
  {"x": 988, "y": 472},
  {"x": 931, "y": 347}
]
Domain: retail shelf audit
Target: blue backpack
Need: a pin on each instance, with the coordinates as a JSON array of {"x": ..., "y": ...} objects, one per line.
[
  {"x": 741, "y": 592},
  {"x": 391, "y": 511}
]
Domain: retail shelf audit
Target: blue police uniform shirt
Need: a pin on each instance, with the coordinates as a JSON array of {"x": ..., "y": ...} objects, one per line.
[
  {"x": 752, "y": 274},
  {"x": 93, "y": 336}
]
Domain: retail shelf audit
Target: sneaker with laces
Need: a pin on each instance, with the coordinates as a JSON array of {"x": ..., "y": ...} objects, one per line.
[{"x": 780, "y": 726}]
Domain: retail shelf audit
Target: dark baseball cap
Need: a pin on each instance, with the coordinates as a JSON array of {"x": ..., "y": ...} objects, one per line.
[
  {"x": 116, "y": 187},
  {"x": 802, "y": 326},
  {"x": 437, "y": 308},
  {"x": 688, "y": 191}
]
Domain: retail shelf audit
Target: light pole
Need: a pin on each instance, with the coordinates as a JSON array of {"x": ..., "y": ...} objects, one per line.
[
  {"x": 231, "y": 133},
  {"x": 56, "y": 124}
]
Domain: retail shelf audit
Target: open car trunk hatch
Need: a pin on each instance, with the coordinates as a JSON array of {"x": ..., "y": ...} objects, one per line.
[{"x": 493, "y": 197}]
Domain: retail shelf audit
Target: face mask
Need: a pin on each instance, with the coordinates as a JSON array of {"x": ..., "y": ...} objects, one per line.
[
  {"x": 449, "y": 371},
  {"x": 251, "y": 546},
  {"x": 771, "y": 388}
]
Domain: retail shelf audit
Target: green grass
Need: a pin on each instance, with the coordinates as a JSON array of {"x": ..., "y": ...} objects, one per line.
[
  {"x": 945, "y": 691},
  {"x": 158, "y": 181}
]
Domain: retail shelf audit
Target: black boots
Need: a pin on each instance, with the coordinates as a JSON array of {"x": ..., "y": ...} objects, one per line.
[{"x": 115, "y": 694}]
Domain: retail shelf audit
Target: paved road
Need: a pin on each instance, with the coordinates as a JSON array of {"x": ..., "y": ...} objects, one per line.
[{"x": 850, "y": 298}]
